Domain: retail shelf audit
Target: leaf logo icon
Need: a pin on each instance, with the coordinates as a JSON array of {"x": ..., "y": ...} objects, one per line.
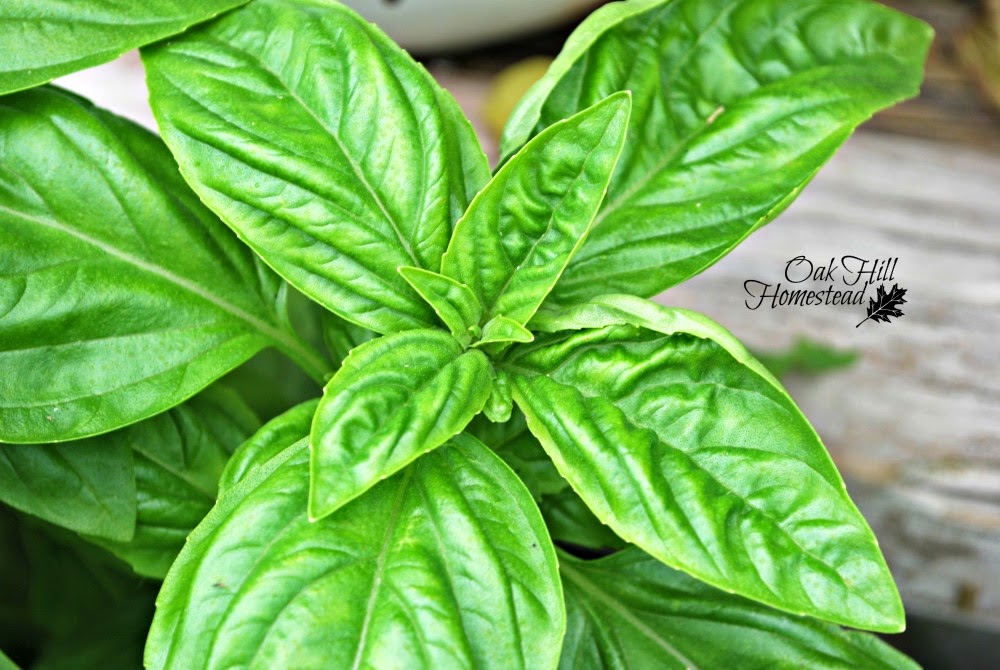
[{"x": 884, "y": 306}]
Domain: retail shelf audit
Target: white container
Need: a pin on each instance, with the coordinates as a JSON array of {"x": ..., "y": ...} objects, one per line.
[{"x": 434, "y": 25}]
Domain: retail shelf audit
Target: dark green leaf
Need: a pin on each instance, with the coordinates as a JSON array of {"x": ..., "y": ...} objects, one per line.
[
  {"x": 520, "y": 450},
  {"x": 629, "y": 611},
  {"x": 44, "y": 39},
  {"x": 341, "y": 337},
  {"x": 179, "y": 457},
  {"x": 120, "y": 294},
  {"x": 331, "y": 153},
  {"x": 454, "y": 303},
  {"x": 521, "y": 230},
  {"x": 571, "y": 522},
  {"x": 394, "y": 399},
  {"x": 445, "y": 565},
  {"x": 688, "y": 448},
  {"x": 738, "y": 103},
  {"x": 87, "y": 485}
]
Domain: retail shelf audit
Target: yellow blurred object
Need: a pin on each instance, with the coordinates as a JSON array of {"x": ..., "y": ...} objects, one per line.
[{"x": 508, "y": 88}]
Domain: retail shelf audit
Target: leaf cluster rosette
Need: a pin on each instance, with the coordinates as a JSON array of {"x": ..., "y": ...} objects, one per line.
[{"x": 494, "y": 377}]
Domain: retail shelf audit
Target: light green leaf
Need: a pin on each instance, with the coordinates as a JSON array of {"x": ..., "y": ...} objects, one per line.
[
  {"x": 120, "y": 294},
  {"x": 272, "y": 438},
  {"x": 500, "y": 329},
  {"x": 687, "y": 448},
  {"x": 629, "y": 611},
  {"x": 87, "y": 486},
  {"x": 445, "y": 565},
  {"x": 455, "y": 303},
  {"x": 500, "y": 404},
  {"x": 394, "y": 399},
  {"x": 521, "y": 230},
  {"x": 179, "y": 457},
  {"x": 322, "y": 143},
  {"x": 738, "y": 103},
  {"x": 6, "y": 663},
  {"x": 44, "y": 39}
]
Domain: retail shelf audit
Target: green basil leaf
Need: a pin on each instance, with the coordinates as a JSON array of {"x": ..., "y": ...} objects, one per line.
[
  {"x": 455, "y": 303},
  {"x": 337, "y": 163},
  {"x": 6, "y": 663},
  {"x": 700, "y": 457},
  {"x": 44, "y": 39},
  {"x": 500, "y": 329},
  {"x": 738, "y": 105},
  {"x": 179, "y": 457},
  {"x": 445, "y": 565},
  {"x": 500, "y": 404},
  {"x": 394, "y": 399},
  {"x": 274, "y": 437},
  {"x": 120, "y": 294},
  {"x": 631, "y": 611},
  {"x": 521, "y": 230},
  {"x": 87, "y": 486}
]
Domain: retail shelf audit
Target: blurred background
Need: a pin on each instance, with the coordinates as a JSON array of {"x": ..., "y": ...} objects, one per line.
[{"x": 910, "y": 410}]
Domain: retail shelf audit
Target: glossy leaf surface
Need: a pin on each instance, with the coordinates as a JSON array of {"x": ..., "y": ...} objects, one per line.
[
  {"x": 445, "y": 565},
  {"x": 737, "y": 105},
  {"x": 703, "y": 460},
  {"x": 44, "y": 39},
  {"x": 521, "y": 230},
  {"x": 394, "y": 399},
  {"x": 179, "y": 456},
  {"x": 120, "y": 294},
  {"x": 272, "y": 115},
  {"x": 631, "y": 612},
  {"x": 454, "y": 302}
]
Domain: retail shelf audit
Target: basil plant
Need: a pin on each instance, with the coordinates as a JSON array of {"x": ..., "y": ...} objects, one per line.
[{"x": 492, "y": 399}]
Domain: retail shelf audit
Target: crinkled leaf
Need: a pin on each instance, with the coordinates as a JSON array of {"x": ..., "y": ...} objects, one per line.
[
  {"x": 120, "y": 294},
  {"x": 686, "y": 447},
  {"x": 330, "y": 152},
  {"x": 738, "y": 103},
  {"x": 87, "y": 486},
  {"x": 445, "y": 565},
  {"x": 44, "y": 39},
  {"x": 394, "y": 399},
  {"x": 629, "y": 611},
  {"x": 273, "y": 437},
  {"x": 179, "y": 457},
  {"x": 454, "y": 302},
  {"x": 521, "y": 230}
]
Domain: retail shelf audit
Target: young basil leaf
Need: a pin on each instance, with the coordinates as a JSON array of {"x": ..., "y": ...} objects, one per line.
[
  {"x": 394, "y": 399},
  {"x": 521, "y": 230},
  {"x": 631, "y": 611},
  {"x": 737, "y": 106},
  {"x": 179, "y": 456},
  {"x": 445, "y": 565},
  {"x": 500, "y": 404},
  {"x": 455, "y": 303},
  {"x": 44, "y": 39},
  {"x": 274, "y": 437},
  {"x": 500, "y": 330},
  {"x": 701, "y": 458},
  {"x": 122, "y": 295},
  {"x": 333, "y": 186},
  {"x": 87, "y": 486}
]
